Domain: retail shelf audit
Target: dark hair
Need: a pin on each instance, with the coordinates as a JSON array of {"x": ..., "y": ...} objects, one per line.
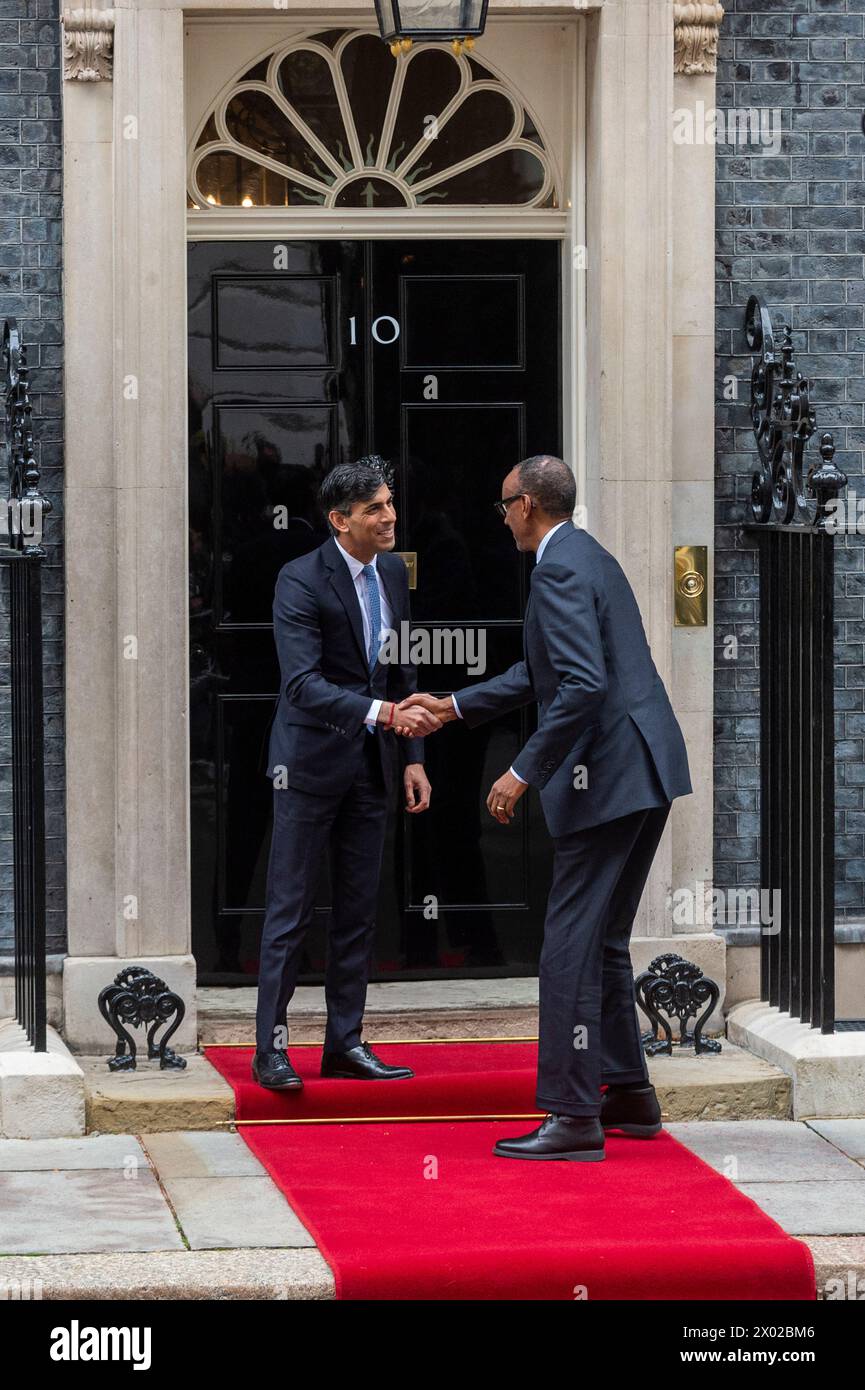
[
  {"x": 353, "y": 482},
  {"x": 550, "y": 482}
]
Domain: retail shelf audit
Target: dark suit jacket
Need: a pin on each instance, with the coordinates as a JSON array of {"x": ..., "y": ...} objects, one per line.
[
  {"x": 601, "y": 702},
  {"x": 326, "y": 686}
]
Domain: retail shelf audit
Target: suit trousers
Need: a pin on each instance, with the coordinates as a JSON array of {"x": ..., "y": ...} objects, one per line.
[
  {"x": 351, "y": 826},
  {"x": 588, "y": 1029}
]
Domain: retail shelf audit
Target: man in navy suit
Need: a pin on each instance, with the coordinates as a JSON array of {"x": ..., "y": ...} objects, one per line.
[
  {"x": 608, "y": 758},
  {"x": 331, "y": 757}
]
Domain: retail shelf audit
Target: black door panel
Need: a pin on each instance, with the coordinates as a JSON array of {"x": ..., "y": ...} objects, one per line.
[{"x": 444, "y": 357}]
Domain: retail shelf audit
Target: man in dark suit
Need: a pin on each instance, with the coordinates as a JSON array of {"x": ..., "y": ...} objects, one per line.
[
  {"x": 608, "y": 757},
  {"x": 331, "y": 755}
]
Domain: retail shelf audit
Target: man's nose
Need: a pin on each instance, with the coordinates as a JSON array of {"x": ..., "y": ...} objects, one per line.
[{"x": 390, "y": 512}]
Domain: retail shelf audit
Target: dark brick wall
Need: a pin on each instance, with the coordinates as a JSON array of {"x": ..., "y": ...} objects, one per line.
[
  {"x": 790, "y": 227},
  {"x": 30, "y": 290}
]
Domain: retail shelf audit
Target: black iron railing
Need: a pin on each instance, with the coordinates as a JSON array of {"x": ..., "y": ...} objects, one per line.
[
  {"x": 797, "y": 752},
  {"x": 21, "y": 553}
]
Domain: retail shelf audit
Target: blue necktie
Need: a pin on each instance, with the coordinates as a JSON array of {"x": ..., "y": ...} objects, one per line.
[{"x": 373, "y": 608}]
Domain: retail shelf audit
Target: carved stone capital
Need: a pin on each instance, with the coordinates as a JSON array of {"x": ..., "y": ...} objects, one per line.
[
  {"x": 695, "y": 36},
  {"x": 88, "y": 39}
]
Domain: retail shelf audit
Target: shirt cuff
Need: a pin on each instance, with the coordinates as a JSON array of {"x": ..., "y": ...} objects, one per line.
[
  {"x": 372, "y": 713},
  {"x": 518, "y": 777},
  {"x": 457, "y": 710}
]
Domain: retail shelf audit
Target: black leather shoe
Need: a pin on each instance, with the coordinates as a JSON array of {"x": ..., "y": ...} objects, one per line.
[
  {"x": 274, "y": 1071},
  {"x": 635, "y": 1111},
  {"x": 361, "y": 1064},
  {"x": 577, "y": 1137}
]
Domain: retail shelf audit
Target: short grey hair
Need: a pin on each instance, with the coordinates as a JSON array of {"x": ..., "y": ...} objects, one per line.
[
  {"x": 550, "y": 482},
  {"x": 353, "y": 482}
]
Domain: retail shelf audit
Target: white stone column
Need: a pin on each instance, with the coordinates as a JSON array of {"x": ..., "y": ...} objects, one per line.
[
  {"x": 629, "y": 338},
  {"x": 126, "y": 536},
  {"x": 650, "y": 373},
  {"x": 694, "y": 465}
]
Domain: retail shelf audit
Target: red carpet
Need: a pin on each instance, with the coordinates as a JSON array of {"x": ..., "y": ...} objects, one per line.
[
  {"x": 451, "y": 1079},
  {"x": 422, "y": 1210}
]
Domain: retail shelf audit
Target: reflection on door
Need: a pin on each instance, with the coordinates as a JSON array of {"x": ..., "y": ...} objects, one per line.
[{"x": 443, "y": 356}]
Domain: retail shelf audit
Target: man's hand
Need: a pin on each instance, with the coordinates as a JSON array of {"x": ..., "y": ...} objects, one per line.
[
  {"x": 411, "y": 723},
  {"x": 503, "y": 797},
  {"x": 417, "y": 788},
  {"x": 442, "y": 709}
]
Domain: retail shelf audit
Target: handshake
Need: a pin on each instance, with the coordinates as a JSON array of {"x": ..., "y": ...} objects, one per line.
[{"x": 417, "y": 715}]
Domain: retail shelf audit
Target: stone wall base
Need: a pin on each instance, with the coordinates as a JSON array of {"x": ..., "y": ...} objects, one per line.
[
  {"x": 85, "y": 976},
  {"x": 827, "y": 1069},
  {"x": 704, "y": 949},
  {"x": 41, "y": 1093}
]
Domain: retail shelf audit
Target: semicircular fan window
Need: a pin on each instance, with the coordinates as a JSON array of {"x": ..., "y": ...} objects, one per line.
[{"x": 336, "y": 121}]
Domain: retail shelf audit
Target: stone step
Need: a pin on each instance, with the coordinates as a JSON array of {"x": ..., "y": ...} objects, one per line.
[
  {"x": 402, "y": 1011},
  {"x": 730, "y": 1085}
]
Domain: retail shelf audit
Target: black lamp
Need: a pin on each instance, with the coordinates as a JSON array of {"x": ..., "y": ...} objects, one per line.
[{"x": 459, "y": 22}]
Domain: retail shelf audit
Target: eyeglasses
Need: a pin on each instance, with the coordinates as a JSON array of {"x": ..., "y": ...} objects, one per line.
[{"x": 502, "y": 506}]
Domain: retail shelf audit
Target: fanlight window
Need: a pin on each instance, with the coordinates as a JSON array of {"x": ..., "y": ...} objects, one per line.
[{"x": 336, "y": 121}]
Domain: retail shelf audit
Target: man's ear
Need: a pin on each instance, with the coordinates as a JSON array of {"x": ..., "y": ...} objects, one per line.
[{"x": 335, "y": 518}]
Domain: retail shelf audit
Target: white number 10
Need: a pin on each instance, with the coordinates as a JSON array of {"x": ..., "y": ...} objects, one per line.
[{"x": 382, "y": 319}]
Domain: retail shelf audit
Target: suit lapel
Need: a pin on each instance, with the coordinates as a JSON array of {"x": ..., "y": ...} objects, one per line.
[{"x": 340, "y": 578}]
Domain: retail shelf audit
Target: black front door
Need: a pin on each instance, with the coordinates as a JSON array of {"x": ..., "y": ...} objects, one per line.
[{"x": 443, "y": 356}]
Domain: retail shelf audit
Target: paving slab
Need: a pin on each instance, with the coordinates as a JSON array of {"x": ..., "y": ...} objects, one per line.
[
  {"x": 812, "y": 1208},
  {"x": 767, "y": 1151},
  {"x": 170, "y": 1276},
  {"x": 201, "y": 1154},
  {"x": 84, "y": 1210},
  {"x": 222, "y": 1196},
  {"x": 235, "y": 1213},
  {"x": 847, "y": 1135},
  {"x": 91, "y": 1151}
]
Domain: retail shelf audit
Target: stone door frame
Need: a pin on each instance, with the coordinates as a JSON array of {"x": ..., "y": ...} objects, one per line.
[{"x": 126, "y": 467}]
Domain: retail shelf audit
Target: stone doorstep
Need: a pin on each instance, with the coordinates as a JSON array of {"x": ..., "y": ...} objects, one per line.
[
  {"x": 405, "y": 1010},
  {"x": 398, "y": 1010},
  {"x": 285, "y": 1274},
  {"x": 732, "y": 1085}
]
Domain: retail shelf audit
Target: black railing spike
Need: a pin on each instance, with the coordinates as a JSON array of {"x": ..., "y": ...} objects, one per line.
[
  {"x": 783, "y": 419},
  {"x": 797, "y": 739},
  {"x": 22, "y": 558}
]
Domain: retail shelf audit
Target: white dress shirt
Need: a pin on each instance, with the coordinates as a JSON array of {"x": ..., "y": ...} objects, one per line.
[
  {"x": 356, "y": 568},
  {"x": 541, "y": 548}
]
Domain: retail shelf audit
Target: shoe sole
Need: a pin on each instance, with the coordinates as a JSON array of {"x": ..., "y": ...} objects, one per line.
[
  {"x": 636, "y": 1131},
  {"x": 579, "y": 1156},
  {"x": 351, "y": 1076}
]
